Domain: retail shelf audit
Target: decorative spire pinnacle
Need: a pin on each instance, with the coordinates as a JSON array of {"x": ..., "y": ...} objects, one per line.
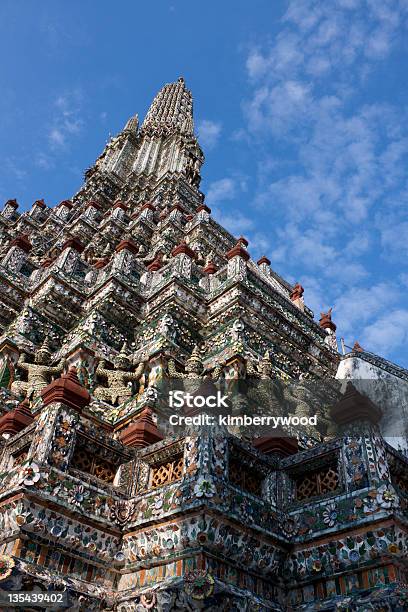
[
  {"x": 132, "y": 124},
  {"x": 171, "y": 110},
  {"x": 326, "y": 320},
  {"x": 357, "y": 347}
]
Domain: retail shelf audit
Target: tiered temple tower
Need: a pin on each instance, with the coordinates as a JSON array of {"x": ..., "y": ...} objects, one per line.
[{"x": 132, "y": 283}]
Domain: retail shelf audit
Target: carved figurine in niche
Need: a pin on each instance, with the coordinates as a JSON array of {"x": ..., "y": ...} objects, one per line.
[
  {"x": 141, "y": 252},
  {"x": 53, "y": 253},
  {"x": 194, "y": 371},
  {"x": 266, "y": 394},
  {"x": 262, "y": 369},
  {"x": 193, "y": 368},
  {"x": 89, "y": 255},
  {"x": 119, "y": 379},
  {"x": 193, "y": 170},
  {"x": 39, "y": 373}
]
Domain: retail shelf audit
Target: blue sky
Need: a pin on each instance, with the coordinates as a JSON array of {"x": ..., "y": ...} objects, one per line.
[{"x": 301, "y": 107}]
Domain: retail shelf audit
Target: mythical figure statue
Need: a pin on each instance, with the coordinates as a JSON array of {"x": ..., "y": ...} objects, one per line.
[
  {"x": 193, "y": 368},
  {"x": 39, "y": 373},
  {"x": 262, "y": 369},
  {"x": 119, "y": 379},
  {"x": 194, "y": 371},
  {"x": 264, "y": 396}
]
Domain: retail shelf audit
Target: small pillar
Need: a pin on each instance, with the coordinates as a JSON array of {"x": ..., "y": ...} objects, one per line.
[
  {"x": 82, "y": 359},
  {"x": 184, "y": 256},
  {"x": 264, "y": 264},
  {"x": 17, "y": 253},
  {"x": 63, "y": 209},
  {"x": 119, "y": 210},
  {"x": 177, "y": 213},
  {"x": 125, "y": 252},
  {"x": 237, "y": 259},
  {"x": 92, "y": 210},
  {"x": 10, "y": 209},
  {"x": 329, "y": 327},
  {"x": 147, "y": 211},
  {"x": 37, "y": 208}
]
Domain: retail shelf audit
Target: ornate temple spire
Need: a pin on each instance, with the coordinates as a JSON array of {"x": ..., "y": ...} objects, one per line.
[
  {"x": 165, "y": 144},
  {"x": 132, "y": 124},
  {"x": 171, "y": 110}
]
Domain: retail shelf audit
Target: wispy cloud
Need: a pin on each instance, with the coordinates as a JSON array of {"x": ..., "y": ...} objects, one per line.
[
  {"x": 15, "y": 168},
  {"x": 342, "y": 163},
  {"x": 234, "y": 221},
  {"x": 208, "y": 132},
  {"x": 388, "y": 333},
  {"x": 43, "y": 161},
  {"x": 67, "y": 121},
  {"x": 223, "y": 189}
]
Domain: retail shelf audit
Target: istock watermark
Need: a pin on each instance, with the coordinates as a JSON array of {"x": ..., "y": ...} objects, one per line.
[
  {"x": 179, "y": 399},
  {"x": 243, "y": 420}
]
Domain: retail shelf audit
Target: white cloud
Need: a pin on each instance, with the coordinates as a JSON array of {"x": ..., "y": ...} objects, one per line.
[
  {"x": 234, "y": 221},
  {"x": 394, "y": 237},
  {"x": 357, "y": 306},
  {"x": 15, "y": 168},
  {"x": 336, "y": 194},
  {"x": 43, "y": 161},
  {"x": 209, "y": 132},
  {"x": 223, "y": 189},
  {"x": 67, "y": 121},
  {"x": 56, "y": 137},
  {"x": 388, "y": 333}
]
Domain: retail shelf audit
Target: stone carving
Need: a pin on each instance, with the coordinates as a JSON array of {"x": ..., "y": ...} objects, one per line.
[
  {"x": 39, "y": 373},
  {"x": 119, "y": 379}
]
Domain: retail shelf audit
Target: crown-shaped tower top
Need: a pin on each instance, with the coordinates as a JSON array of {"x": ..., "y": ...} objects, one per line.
[{"x": 171, "y": 110}]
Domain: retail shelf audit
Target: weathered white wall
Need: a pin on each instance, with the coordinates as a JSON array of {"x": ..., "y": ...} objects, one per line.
[{"x": 385, "y": 388}]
